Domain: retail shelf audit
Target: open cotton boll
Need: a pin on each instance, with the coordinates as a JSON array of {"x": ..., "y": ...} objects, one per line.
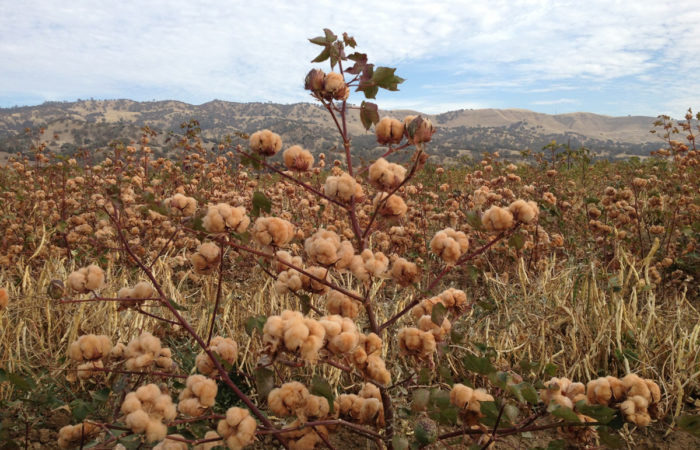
[
  {"x": 171, "y": 444},
  {"x": 416, "y": 342},
  {"x": 449, "y": 245},
  {"x": 265, "y": 142},
  {"x": 273, "y": 231},
  {"x": 425, "y": 323},
  {"x": 145, "y": 350},
  {"x": 388, "y": 131},
  {"x": 70, "y": 436},
  {"x": 497, "y": 219},
  {"x": 343, "y": 187},
  {"x": 182, "y": 204},
  {"x": 386, "y": 176},
  {"x": 146, "y": 409},
  {"x": 225, "y": 348},
  {"x": 89, "y": 347},
  {"x": 404, "y": 272},
  {"x": 86, "y": 279},
  {"x": 237, "y": 429},
  {"x": 298, "y": 159},
  {"x": 223, "y": 217},
  {"x": 392, "y": 206},
  {"x": 341, "y": 304},
  {"x": 524, "y": 211},
  {"x": 334, "y": 87},
  {"x": 211, "y": 434},
  {"x": 198, "y": 395},
  {"x": 206, "y": 259}
]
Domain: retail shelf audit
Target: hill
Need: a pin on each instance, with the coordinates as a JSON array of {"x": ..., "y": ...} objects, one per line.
[{"x": 93, "y": 124}]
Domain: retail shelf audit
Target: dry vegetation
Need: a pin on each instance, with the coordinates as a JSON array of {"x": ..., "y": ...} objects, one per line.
[{"x": 288, "y": 301}]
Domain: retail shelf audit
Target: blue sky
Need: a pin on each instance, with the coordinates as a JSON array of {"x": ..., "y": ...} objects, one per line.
[{"x": 610, "y": 57}]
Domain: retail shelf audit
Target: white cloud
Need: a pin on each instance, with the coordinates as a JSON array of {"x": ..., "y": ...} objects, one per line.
[{"x": 235, "y": 50}]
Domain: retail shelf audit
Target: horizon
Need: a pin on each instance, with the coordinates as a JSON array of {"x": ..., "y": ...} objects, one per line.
[
  {"x": 632, "y": 58},
  {"x": 85, "y": 100}
]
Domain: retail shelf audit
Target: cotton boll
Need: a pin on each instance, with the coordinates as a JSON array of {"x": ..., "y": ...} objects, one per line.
[
  {"x": 460, "y": 395},
  {"x": 425, "y": 323},
  {"x": 182, "y": 204},
  {"x": 273, "y": 231},
  {"x": 171, "y": 444},
  {"x": 386, "y": 176},
  {"x": 404, "y": 272},
  {"x": 334, "y": 87},
  {"x": 344, "y": 255},
  {"x": 265, "y": 142},
  {"x": 388, "y": 131},
  {"x": 311, "y": 284},
  {"x": 137, "y": 421},
  {"x": 341, "y": 304},
  {"x": 421, "y": 133},
  {"x": 206, "y": 259},
  {"x": 524, "y": 211},
  {"x": 449, "y": 245},
  {"x": 298, "y": 159},
  {"x": 222, "y": 217},
  {"x": 497, "y": 219},
  {"x": 211, "y": 434},
  {"x": 413, "y": 341},
  {"x": 155, "y": 431},
  {"x": 392, "y": 207},
  {"x": 343, "y": 188},
  {"x": 95, "y": 278}
]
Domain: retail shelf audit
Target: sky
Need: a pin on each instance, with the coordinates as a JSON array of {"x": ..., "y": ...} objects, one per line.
[{"x": 613, "y": 57}]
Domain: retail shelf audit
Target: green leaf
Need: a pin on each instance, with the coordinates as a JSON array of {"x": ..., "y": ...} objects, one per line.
[
  {"x": 264, "y": 381},
  {"x": 321, "y": 387},
  {"x": 255, "y": 323},
  {"x": 476, "y": 364},
  {"x": 80, "y": 409},
  {"x": 550, "y": 369},
  {"x": 600, "y": 413},
  {"x": 424, "y": 376},
  {"x": 330, "y": 37},
  {"x": 100, "y": 396},
  {"x": 490, "y": 411},
  {"x": 611, "y": 440},
  {"x": 305, "y": 301},
  {"x": 439, "y": 398},
  {"x": 399, "y": 442},
  {"x": 260, "y": 202},
  {"x": 349, "y": 40},
  {"x": 563, "y": 412},
  {"x": 689, "y": 423},
  {"x": 175, "y": 305},
  {"x": 511, "y": 412},
  {"x": 421, "y": 397},
  {"x": 529, "y": 393},
  {"x": 517, "y": 241},
  {"x": 324, "y": 55},
  {"x": 369, "y": 114},
  {"x": 318, "y": 40},
  {"x": 384, "y": 77},
  {"x": 19, "y": 382},
  {"x": 437, "y": 316},
  {"x": 590, "y": 200}
]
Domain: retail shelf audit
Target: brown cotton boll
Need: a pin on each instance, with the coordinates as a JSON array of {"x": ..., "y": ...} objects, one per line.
[
  {"x": 376, "y": 370},
  {"x": 388, "y": 131},
  {"x": 413, "y": 341},
  {"x": 131, "y": 403},
  {"x": 548, "y": 197},
  {"x": 524, "y": 211},
  {"x": 386, "y": 176},
  {"x": 298, "y": 159},
  {"x": 497, "y": 219},
  {"x": 117, "y": 351},
  {"x": 654, "y": 391},
  {"x": 155, "y": 431},
  {"x": 76, "y": 281},
  {"x": 372, "y": 343},
  {"x": 344, "y": 255},
  {"x": 295, "y": 333},
  {"x": 310, "y": 348},
  {"x": 265, "y": 142},
  {"x": 344, "y": 342},
  {"x": 171, "y": 444},
  {"x": 137, "y": 421},
  {"x": 222, "y": 217},
  {"x": 332, "y": 325},
  {"x": 343, "y": 187},
  {"x": 70, "y": 436},
  {"x": 206, "y": 391},
  {"x": 369, "y": 390},
  {"x": 453, "y": 298},
  {"x": 334, "y": 87},
  {"x": 322, "y": 246},
  {"x": 424, "y": 307},
  {"x": 425, "y": 323},
  {"x": 190, "y": 407},
  {"x": 287, "y": 257},
  {"x": 273, "y": 231},
  {"x": 316, "y": 407},
  {"x": 376, "y": 264},
  {"x": 182, "y": 204},
  {"x": 636, "y": 386},
  {"x": 86, "y": 370},
  {"x": 89, "y": 347},
  {"x": 211, "y": 434},
  {"x": 143, "y": 289},
  {"x": 460, "y": 395},
  {"x": 392, "y": 207},
  {"x": 449, "y": 245},
  {"x": 311, "y": 284},
  {"x": 562, "y": 400},
  {"x": 341, "y": 304},
  {"x": 371, "y": 411},
  {"x": 357, "y": 267},
  {"x": 206, "y": 259},
  {"x": 404, "y": 272},
  {"x": 4, "y": 298},
  {"x": 289, "y": 280}
]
